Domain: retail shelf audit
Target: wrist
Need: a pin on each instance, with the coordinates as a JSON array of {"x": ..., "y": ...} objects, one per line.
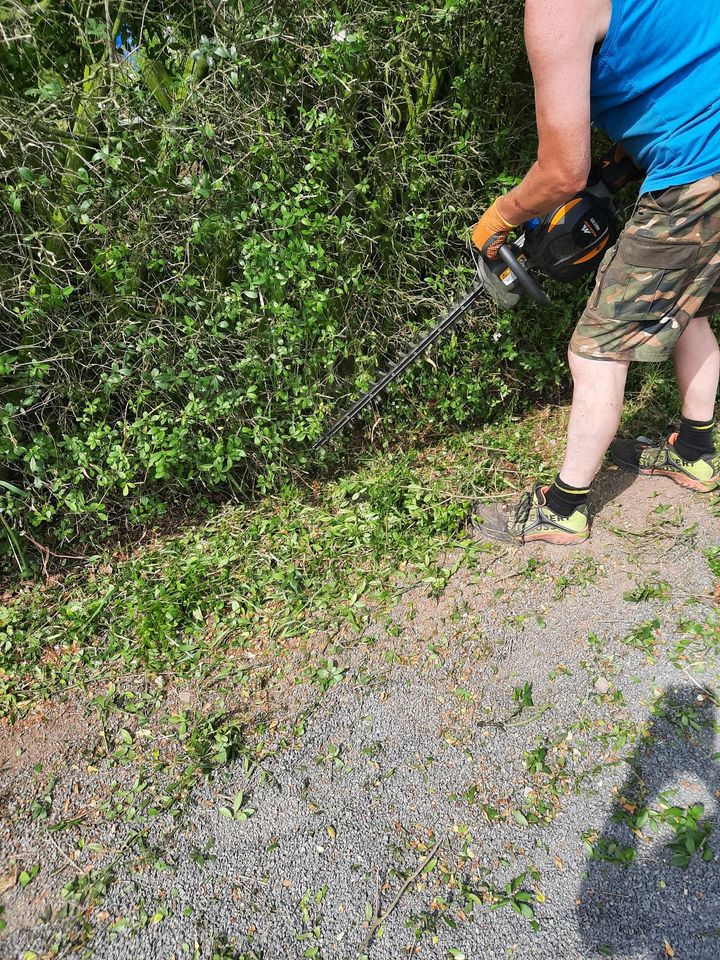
[{"x": 508, "y": 217}]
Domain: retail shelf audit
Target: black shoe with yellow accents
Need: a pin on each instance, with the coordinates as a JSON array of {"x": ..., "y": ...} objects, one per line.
[
  {"x": 531, "y": 519},
  {"x": 645, "y": 458}
]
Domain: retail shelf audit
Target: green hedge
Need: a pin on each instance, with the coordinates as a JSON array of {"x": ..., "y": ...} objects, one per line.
[{"x": 214, "y": 240}]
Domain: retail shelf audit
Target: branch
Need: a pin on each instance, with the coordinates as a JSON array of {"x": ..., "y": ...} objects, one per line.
[{"x": 382, "y": 917}]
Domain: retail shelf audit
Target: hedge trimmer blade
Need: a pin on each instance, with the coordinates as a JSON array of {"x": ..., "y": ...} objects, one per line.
[{"x": 426, "y": 341}]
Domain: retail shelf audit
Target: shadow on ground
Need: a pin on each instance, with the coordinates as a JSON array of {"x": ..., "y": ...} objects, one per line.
[
  {"x": 649, "y": 907},
  {"x": 609, "y": 485}
]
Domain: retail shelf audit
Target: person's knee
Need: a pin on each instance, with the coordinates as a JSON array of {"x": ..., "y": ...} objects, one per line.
[{"x": 588, "y": 371}]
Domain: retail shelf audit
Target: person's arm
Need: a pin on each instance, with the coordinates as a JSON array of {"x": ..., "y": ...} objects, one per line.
[{"x": 560, "y": 36}]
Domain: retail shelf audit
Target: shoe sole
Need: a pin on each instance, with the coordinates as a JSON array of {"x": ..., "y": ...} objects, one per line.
[
  {"x": 680, "y": 478},
  {"x": 558, "y": 538}
]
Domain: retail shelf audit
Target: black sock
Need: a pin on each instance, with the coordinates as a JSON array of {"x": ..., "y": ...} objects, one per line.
[
  {"x": 563, "y": 499},
  {"x": 695, "y": 439}
]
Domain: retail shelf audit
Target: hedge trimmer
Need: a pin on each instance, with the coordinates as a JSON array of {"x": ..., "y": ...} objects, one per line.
[{"x": 565, "y": 244}]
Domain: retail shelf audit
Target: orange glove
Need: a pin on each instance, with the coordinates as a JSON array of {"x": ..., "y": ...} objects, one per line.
[{"x": 490, "y": 232}]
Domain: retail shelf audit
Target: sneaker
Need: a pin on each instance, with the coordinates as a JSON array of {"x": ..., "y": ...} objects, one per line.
[
  {"x": 531, "y": 520},
  {"x": 640, "y": 456}
]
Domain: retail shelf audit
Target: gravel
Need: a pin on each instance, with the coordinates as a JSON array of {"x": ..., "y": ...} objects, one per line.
[{"x": 431, "y": 741}]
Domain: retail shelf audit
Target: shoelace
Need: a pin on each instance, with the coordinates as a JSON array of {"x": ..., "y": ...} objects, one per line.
[
  {"x": 660, "y": 456},
  {"x": 522, "y": 510}
]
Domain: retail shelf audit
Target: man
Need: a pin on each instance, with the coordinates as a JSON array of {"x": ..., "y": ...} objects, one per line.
[{"x": 648, "y": 72}]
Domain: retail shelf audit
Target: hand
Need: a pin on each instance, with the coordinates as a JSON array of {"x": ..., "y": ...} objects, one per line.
[{"x": 491, "y": 232}]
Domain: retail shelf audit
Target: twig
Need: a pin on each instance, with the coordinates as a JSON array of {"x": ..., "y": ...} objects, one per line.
[
  {"x": 382, "y": 917},
  {"x": 47, "y": 552},
  {"x": 217, "y": 15},
  {"x": 62, "y": 853},
  {"x": 706, "y": 690}
]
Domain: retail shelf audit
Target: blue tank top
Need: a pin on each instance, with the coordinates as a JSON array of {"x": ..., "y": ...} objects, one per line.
[{"x": 656, "y": 87}]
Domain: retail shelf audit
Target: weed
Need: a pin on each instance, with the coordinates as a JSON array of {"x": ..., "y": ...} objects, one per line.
[
  {"x": 224, "y": 948},
  {"x": 535, "y": 760},
  {"x": 40, "y": 808},
  {"x": 533, "y": 570},
  {"x": 332, "y": 756},
  {"x": 431, "y": 922},
  {"x": 582, "y": 573},
  {"x": 202, "y": 856},
  {"x": 620, "y": 733},
  {"x": 237, "y": 809},
  {"x": 685, "y": 717},
  {"x": 89, "y": 888},
  {"x": 648, "y": 590},
  {"x": 515, "y": 897},
  {"x": 26, "y": 877},
  {"x": 605, "y": 848},
  {"x": 523, "y": 695},
  {"x": 644, "y": 637},
  {"x": 692, "y": 833},
  {"x": 208, "y": 740},
  {"x": 326, "y": 674}
]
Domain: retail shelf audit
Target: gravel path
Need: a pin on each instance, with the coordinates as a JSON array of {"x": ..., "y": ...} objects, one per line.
[{"x": 524, "y": 720}]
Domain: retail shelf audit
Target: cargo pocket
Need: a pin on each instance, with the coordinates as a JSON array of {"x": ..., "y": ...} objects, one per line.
[
  {"x": 647, "y": 277},
  {"x": 600, "y": 278}
]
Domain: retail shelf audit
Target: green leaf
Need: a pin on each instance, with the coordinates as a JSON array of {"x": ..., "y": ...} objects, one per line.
[
  {"x": 65, "y": 824},
  {"x": 27, "y": 876},
  {"x": 13, "y": 489}
]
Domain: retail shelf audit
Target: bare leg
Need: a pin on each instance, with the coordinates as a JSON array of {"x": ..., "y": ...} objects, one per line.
[
  {"x": 697, "y": 364},
  {"x": 594, "y": 417}
]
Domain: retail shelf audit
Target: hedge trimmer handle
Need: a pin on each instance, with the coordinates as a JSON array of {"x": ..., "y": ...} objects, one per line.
[{"x": 506, "y": 254}]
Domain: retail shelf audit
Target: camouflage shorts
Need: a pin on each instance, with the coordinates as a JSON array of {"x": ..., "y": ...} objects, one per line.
[{"x": 663, "y": 271}]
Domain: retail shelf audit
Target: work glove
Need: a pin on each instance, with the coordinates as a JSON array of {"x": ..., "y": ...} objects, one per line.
[{"x": 491, "y": 232}]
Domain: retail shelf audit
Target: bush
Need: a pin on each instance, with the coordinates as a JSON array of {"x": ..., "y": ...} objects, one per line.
[{"x": 219, "y": 222}]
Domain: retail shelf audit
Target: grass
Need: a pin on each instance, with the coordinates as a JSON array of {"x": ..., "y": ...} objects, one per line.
[
  {"x": 250, "y": 580},
  {"x": 227, "y": 595}
]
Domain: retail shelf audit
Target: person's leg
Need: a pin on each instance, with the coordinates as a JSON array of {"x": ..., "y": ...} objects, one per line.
[
  {"x": 599, "y": 388},
  {"x": 558, "y": 513},
  {"x": 688, "y": 457},
  {"x": 697, "y": 363}
]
